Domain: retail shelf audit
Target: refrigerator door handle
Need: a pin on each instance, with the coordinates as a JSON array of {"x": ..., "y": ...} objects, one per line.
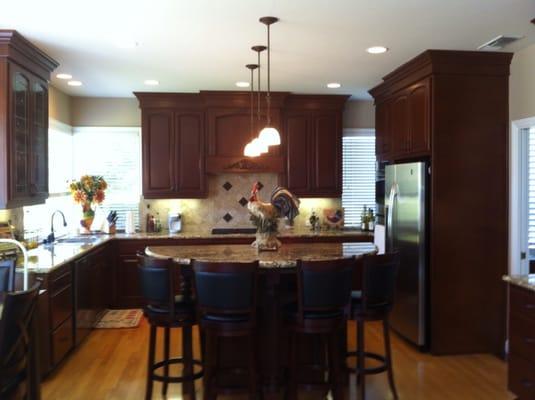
[{"x": 390, "y": 217}]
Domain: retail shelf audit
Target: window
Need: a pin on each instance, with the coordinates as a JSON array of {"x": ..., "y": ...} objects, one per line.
[
  {"x": 531, "y": 188},
  {"x": 115, "y": 154},
  {"x": 358, "y": 171}
]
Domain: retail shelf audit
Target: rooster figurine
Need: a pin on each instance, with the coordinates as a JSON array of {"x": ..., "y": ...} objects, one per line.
[{"x": 265, "y": 215}]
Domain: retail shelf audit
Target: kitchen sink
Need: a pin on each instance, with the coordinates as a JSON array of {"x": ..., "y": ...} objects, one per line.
[{"x": 85, "y": 239}]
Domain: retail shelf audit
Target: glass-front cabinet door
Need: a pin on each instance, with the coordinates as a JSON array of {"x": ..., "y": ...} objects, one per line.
[
  {"x": 20, "y": 133},
  {"x": 39, "y": 140}
]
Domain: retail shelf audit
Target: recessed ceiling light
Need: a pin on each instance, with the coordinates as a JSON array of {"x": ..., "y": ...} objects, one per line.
[
  {"x": 74, "y": 83},
  {"x": 376, "y": 49},
  {"x": 64, "y": 76},
  {"x": 124, "y": 43},
  {"x": 151, "y": 82},
  {"x": 242, "y": 84},
  {"x": 333, "y": 85}
]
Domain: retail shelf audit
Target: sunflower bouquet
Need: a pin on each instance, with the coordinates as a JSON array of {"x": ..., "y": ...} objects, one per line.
[{"x": 88, "y": 191}]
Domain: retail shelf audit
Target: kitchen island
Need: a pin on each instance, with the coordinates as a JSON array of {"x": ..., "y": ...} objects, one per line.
[{"x": 277, "y": 290}]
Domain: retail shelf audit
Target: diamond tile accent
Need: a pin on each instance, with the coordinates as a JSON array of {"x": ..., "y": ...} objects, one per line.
[
  {"x": 243, "y": 201},
  {"x": 227, "y": 186},
  {"x": 260, "y": 185},
  {"x": 227, "y": 217}
]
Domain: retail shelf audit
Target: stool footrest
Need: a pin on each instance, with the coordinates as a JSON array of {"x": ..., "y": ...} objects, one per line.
[
  {"x": 372, "y": 370},
  {"x": 176, "y": 379}
]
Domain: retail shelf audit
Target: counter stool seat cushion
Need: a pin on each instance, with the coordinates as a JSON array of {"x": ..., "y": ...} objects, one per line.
[
  {"x": 356, "y": 295},
  {"x": 231, "y": 318}
]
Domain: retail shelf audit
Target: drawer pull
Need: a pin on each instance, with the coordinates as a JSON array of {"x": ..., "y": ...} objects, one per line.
[
  {"x": 529, "y": 340},
  {"x": 529, "y": 306}
]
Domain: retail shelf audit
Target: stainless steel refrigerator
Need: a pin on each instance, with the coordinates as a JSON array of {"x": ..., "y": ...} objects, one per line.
[{"x": 406, "y": 187}]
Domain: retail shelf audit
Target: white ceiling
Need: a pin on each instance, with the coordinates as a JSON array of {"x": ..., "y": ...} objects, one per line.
[{"x": 191, "y": 45}]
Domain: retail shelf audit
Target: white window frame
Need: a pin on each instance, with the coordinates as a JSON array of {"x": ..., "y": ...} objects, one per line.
[{"x": 518, "y": 187}]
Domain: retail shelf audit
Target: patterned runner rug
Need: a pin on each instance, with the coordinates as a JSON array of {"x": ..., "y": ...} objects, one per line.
[{"x": 114, "y": 319}]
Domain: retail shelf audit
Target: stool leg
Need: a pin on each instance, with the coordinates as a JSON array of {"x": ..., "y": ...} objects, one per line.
[
  {"x": 208, "y": 365},
  {"x": 166, "y": 358},
  {"x": 361, "y": 364},
  {"x": 388, "y": 351},
  {"x": 292, "y": 366},
  {"x": 334, "y": 365},
  {"x": 152, "y": 346},
  {"x": 188, "y": 387},
  {"x": 252, "y": 366}
]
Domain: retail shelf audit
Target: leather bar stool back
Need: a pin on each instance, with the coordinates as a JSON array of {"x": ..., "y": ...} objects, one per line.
[
  {"x": 324, "y": 293},
  {"x": 166, "y": 309},
  {"x": 374, "y": 303},
  {"x": 7, "y": 275},
  {"x": 15, "y": 340},
  {"x": 226, "y": 300}
]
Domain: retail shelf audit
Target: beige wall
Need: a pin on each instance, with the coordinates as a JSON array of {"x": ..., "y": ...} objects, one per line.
[
  {"x": 522, "y": 84},
  {"x": 359, "y": 114},
  {"x": 103, "y": 111},
  {"x": 59, "y": 105}
]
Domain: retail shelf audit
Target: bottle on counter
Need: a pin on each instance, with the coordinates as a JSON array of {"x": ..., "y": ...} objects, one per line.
[
  {"x": 371, "y": 220},
  {"x": 150, "y": 223},
  {"x": 157, "y": 223},
  {"x": 364, "y": 218}
]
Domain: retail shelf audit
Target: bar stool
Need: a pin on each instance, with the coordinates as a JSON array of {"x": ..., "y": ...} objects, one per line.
[
  {"x": 226, "y": 302},
  {"x": 7, "y": 275},
  {"x": 166, "y": 310},
  {"x": 16, "y": 344},
  {"x": 323, "y": 297},
  {"x": 374, "y": 303}
]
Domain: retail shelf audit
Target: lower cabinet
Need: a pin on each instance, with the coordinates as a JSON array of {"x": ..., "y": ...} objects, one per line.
[{"x": 521, "y": 374}]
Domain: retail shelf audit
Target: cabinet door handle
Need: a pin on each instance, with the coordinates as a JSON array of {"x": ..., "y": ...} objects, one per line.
[
  {"x": 529, "y": 340},
  {"x": 529, "y": 306}
]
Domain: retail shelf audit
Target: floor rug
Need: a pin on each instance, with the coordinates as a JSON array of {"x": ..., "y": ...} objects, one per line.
[{"x": 115, "y": 319}]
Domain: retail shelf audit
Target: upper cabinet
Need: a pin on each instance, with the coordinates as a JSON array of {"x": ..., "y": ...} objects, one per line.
[
  {"x": 173, "y": 142},
  {"x": 313, "y": 146},
  {"x": 188, "y": 135},
  {"x": 402, "y": 123},
  {"x": 24, "y": 74}
]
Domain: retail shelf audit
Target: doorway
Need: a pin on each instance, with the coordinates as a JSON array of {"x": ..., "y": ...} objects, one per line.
[{"x": 522, "y": 197}]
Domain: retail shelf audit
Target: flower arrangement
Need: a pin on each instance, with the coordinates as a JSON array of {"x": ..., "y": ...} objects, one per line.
[{"x": 87, "y": 191}]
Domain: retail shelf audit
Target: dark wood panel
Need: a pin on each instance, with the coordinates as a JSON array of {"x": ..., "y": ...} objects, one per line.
[
  {"x": 328, "y": 154},
  {"x": 158, "y": 144},
  {"x": 127, "y": 285},
  {"x": 399, "y": 124},
  {"x": 419, "y": 117},
  {"x": 298, "y": 134},
  {"x": 62, "y": 341},
  {"x": 189, "y": 159},
  {"x": 382, "y": 131},
  {"x": 521, "y": 377},
  {"x": 522, "y": 336},
  {"x": 61, "y": 306},
  {"x": 39, "y": 140}
]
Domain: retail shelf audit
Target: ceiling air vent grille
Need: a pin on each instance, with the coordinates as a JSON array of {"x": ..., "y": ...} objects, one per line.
[{"x": 498, "y": 42}]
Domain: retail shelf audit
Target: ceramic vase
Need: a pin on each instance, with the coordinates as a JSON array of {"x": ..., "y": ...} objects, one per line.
[{"x": 88, "y": 215}]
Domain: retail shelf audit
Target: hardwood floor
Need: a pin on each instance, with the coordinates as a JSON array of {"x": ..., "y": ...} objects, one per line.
[{"x": 111, "y": 365}]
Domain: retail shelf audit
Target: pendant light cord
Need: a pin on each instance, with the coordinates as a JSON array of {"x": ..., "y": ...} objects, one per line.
[
  {"x": 259, "y": 92},
  {"x": 268, "y": 96},
  {"x": 252, "y": 101}
]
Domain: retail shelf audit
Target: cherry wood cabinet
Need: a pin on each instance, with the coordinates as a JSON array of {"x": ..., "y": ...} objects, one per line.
[
  {"x": 313, "y": 146},
  {"x": 450, "y": 108},
  {"x": 403, "y": 123},
  {"x": 173, "y": 153},
  {"x": 24, "y": 75}
]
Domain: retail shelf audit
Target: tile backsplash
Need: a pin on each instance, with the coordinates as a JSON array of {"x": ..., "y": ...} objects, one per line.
[{"x": 226, "y": 204}]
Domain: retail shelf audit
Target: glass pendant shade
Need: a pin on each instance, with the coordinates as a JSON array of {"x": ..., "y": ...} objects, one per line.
[
  {"x": 270, "y": 136},
  {"x": 251, "y": 150},
  {"x": 261, "y": 146}
]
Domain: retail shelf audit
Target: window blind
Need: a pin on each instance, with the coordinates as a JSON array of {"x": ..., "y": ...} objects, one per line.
[
  {"x": 115, "y": 154},
  {"x": 531, "y": 188},
  {"x": 358, "y": 174}
]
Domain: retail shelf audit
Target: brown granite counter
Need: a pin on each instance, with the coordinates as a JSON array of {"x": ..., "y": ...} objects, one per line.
[
  {"x": 525, "y": 281},
  {"x": 285, "y": 257},
  {"x": 46, "y": 258}
]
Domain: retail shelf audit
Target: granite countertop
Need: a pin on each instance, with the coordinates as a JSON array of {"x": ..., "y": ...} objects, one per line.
[
  {"x": 45, "y": 258},
  {"x": 285, "y": 257},
  {"x": 525, "y": 281}
]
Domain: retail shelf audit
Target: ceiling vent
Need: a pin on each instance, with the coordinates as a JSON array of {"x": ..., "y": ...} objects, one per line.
[{"x": 498, "y": 42}]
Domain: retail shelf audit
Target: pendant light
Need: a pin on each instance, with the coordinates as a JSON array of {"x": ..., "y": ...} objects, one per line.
[
  {"x": 251, "y": 150},
  {"x": 263, "y": 146},
  {"x": 269, "y": 135}
]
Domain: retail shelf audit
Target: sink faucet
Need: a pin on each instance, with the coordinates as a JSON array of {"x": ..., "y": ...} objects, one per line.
[{"x": 50, "y": 238}]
